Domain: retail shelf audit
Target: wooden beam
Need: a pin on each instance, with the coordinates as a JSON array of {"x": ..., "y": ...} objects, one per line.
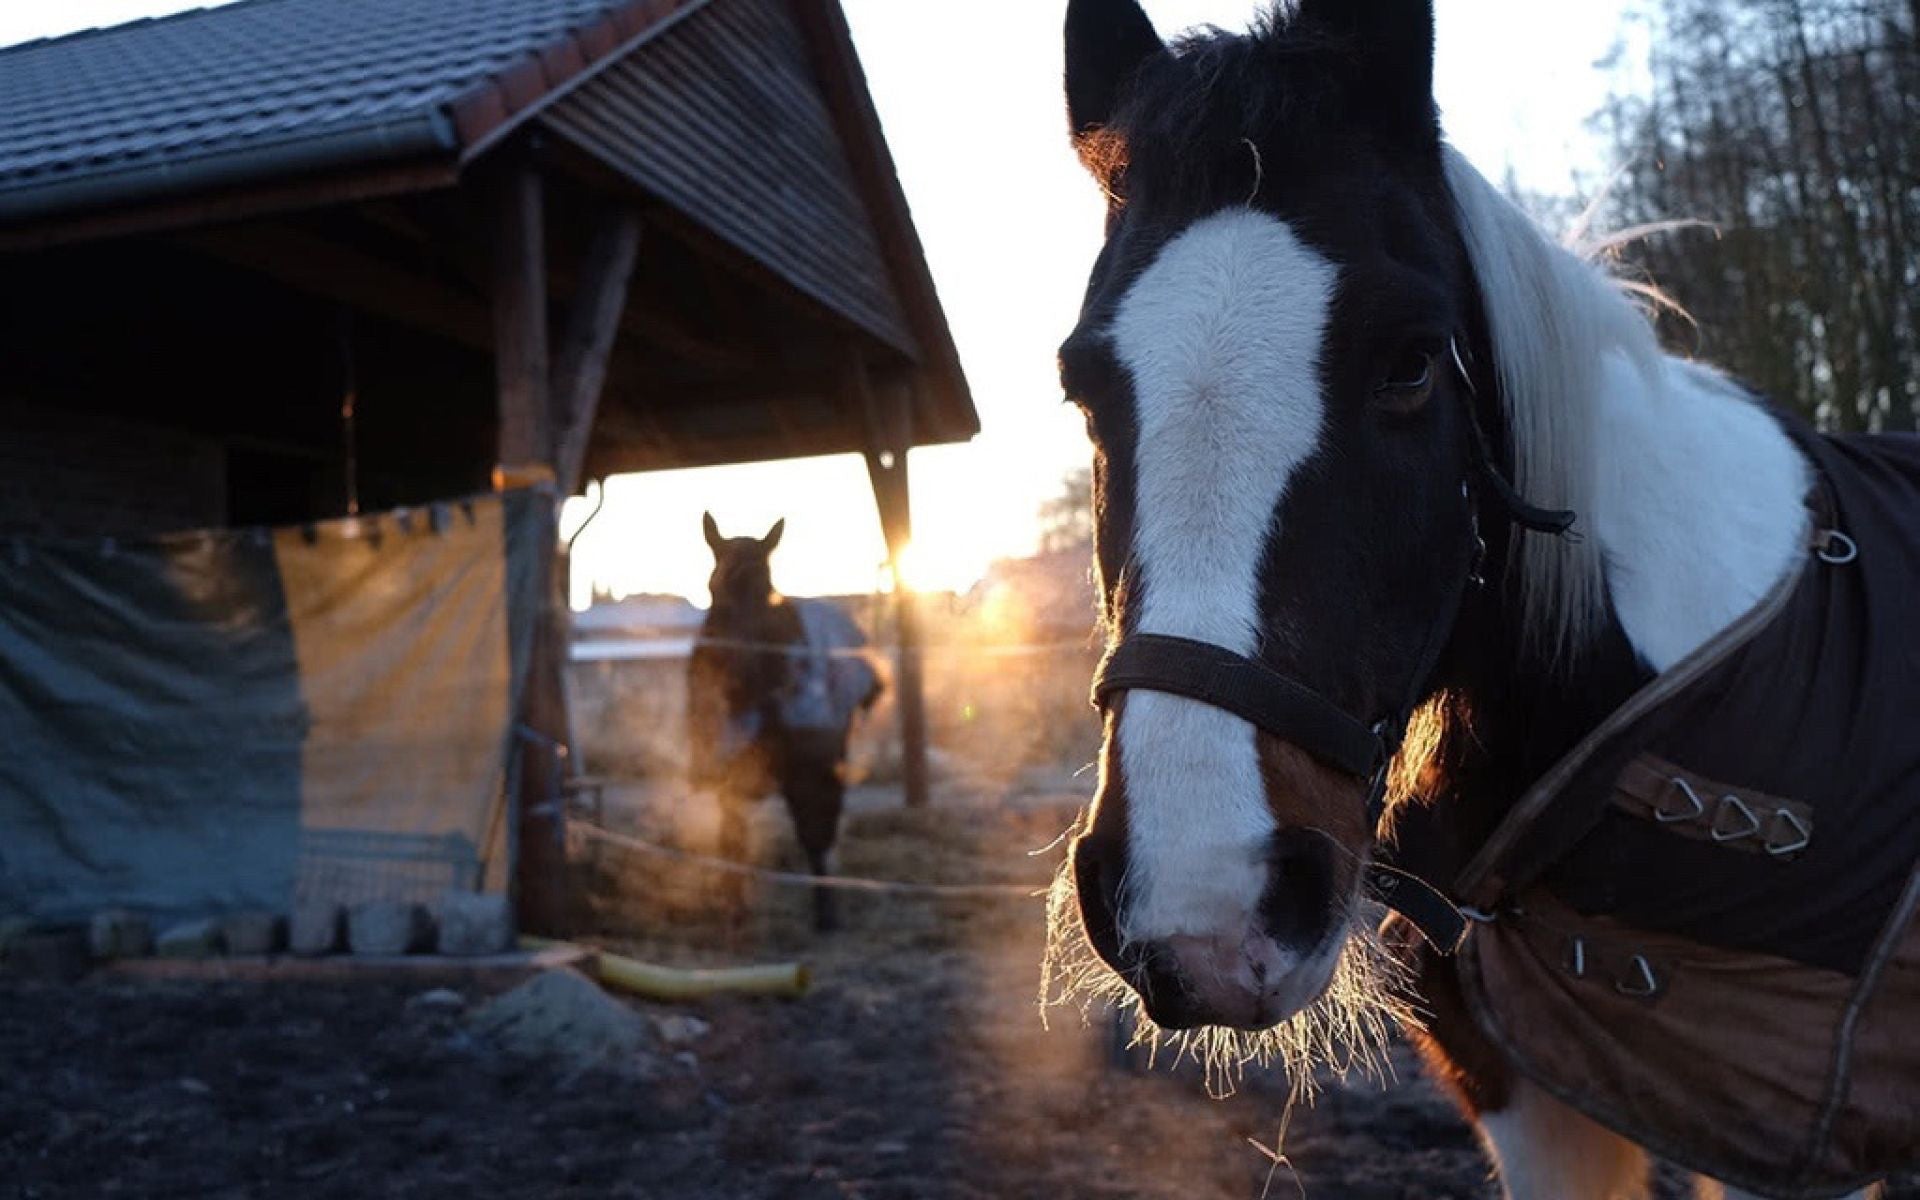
[
  {"x": 580, "y": 372},
  {"x": 889, "y": 421},
  {"x": 519, "y": 271},
  {"x": 201, "y": 211},
  {"x": 664, "y": 326},
  {"x": 323, "y": 267},
  {"x": 520, "y": 322}
]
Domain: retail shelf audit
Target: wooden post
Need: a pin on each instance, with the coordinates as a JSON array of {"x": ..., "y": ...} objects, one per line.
[
  {"x": 593, "y": 321},
  {"x": 526, "y": 457},
  {"x": 889, "y": 434}
]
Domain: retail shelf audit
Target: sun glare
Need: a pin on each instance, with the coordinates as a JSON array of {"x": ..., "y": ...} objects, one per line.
[{"x": 934, "y": 567}]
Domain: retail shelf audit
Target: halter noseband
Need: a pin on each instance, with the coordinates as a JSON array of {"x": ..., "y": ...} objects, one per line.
[{"x": 1288, "y": 709}]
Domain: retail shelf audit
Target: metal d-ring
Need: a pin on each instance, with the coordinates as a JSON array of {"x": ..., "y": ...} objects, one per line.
[
  {"x": 1802, "y": 833},
  {"x": 1669, "y": 816},
  {"x": 1847, "y": 551},
  {"x": 1721, "y": 833},
  {"x": 1643, "y": 981}
]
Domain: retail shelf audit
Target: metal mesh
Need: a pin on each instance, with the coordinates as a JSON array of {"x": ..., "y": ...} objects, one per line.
[{"x": 354, "y": 866}]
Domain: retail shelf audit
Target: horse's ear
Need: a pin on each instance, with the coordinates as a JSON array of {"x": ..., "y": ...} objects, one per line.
[
  {"x": 707, "y": 526},
  {"x": 1394, "y": 43},
  {"x": 772, "y": 539},
  {"x": 1108, "y": 41}
]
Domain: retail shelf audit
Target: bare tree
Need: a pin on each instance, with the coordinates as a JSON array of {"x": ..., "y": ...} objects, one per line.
[
  {"x": 1066, "y": 520},
  {"x": 1793, "y": 127}
]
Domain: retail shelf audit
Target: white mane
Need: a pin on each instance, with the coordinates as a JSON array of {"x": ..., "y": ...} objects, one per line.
[{"x": 1553, "y": 318}]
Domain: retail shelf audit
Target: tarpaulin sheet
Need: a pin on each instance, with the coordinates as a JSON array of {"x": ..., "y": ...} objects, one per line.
[{"x": 212, "y": 722}]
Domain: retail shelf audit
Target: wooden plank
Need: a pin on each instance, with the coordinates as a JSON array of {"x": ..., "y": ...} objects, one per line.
[
  {"x": 200, "y": 211},
  {"x": 946, "y": 401},
  {"x": 311, "y": 263},
  {"x": 418, "y": 970},
  {"x": 580, "y": 372},
  {"x": 667, "y": 328}
]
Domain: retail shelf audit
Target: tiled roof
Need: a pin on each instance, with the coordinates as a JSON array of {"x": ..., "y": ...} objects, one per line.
[{"x": 267, "y": 87}]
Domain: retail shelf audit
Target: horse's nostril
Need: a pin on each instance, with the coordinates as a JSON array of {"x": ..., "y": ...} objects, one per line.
[
  {"x": 1298, "y": 906},
  {"x": 1098, "y": 870},
  {"x": 1163, "y": 988}
]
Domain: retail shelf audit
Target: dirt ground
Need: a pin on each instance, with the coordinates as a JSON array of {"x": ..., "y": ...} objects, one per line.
[{"x": 916, "y": 1067}]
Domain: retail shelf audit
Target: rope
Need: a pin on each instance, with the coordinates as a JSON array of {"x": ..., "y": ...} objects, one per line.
[
  {"x": 803, "y": 650},
  {"x": 845, "y": 883}
]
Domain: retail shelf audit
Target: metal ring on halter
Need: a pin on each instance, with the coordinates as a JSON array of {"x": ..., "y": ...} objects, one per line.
[
  {"x": 1668, "y": 816},
  {"x": 1847, "y": 552},
  {"x": 1478, "y": 915}
]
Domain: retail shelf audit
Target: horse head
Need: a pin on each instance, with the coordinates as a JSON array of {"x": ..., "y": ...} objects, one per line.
[
  {"x": 742, "y": 579},
  {"x": 1265, "y": 364}
]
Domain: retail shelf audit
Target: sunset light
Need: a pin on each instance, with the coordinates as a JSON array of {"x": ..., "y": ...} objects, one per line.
[{"x": 880, "y": 598}]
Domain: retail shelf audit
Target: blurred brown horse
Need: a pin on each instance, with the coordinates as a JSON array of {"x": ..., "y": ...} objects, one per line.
[{"x": 773, "y": 688}]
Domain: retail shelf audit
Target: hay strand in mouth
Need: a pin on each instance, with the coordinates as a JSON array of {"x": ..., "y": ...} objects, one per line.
[{"x": 1345, "y": 1032}]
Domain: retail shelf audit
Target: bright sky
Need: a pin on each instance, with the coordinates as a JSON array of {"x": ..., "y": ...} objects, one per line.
[{"x": 970, "y": 98}]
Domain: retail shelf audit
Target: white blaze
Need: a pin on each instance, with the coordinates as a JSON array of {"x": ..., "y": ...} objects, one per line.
[{"x": 1222, "y": 337}]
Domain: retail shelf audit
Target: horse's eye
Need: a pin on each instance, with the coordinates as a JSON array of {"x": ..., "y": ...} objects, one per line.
[{"x": 1408, "y": 383}]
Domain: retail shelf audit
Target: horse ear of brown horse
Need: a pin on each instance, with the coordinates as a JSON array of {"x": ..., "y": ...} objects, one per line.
[
  {"x": 712, "y": 530},
  {"x": 772, "y": 539}
]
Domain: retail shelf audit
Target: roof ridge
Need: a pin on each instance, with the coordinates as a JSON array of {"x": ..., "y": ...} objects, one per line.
[{"x": 92, "y": 31}]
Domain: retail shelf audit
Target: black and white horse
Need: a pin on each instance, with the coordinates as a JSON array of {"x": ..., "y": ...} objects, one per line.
[
  {"x": 773, "y": 688},
  {"x": 1307, "y": 310}
]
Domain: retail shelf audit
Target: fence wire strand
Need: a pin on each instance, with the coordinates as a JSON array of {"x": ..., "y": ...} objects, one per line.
[{"x": 845, "y": 883}]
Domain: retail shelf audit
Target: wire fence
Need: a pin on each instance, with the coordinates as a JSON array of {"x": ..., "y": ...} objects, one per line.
[
  {"x": 668, "y": 647},
  {"x": 845, "y": 883}
]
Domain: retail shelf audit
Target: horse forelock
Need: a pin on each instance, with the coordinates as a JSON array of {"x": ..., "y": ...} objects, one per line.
[{"x": 1181, "y": 133}]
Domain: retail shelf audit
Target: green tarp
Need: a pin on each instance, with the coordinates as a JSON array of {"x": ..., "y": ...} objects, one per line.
[{"x": 217, "y": 721}]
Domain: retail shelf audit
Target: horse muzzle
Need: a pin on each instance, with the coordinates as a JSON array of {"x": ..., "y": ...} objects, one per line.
[{"x": 1253, "y": 971}]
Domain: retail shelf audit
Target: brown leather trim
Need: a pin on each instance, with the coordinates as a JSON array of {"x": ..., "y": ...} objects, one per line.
[
  {"x": 1724, "y": 1073},
  {"x": 1688, "y": 804},
  {"x": 1483, "y": 882},
  {"x": 1896, "y": 940}
]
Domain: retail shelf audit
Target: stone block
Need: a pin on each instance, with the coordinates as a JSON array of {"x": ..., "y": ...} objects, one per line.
[
  {"x": 49, "y": 955},
  {"x": 440, "y": 1001},
  {"x": 387, "y": 927},
  {"x": 318, "y": 927},
  {"x": 562, "y": 1017},
  {"x": 12, "y": 929},
  {"x": 191, "y": 939},
  {"x": 117, "y": 933},
  {"x": 254, "y": 933},
  {"x": 474, "y": 923}
]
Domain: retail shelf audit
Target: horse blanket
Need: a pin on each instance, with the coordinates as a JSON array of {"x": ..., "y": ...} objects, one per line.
[
  {"x": 827, "y": 675},
  {"x": 831, "y": 677},
  {"x": 1706, "y": 931}
]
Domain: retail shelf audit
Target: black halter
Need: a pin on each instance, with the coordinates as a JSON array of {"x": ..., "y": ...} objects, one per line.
[{"x": 1289, "y": 709}]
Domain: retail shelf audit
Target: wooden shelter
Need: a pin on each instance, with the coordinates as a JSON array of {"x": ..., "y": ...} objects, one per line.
[{"x": 288, "y": 259}]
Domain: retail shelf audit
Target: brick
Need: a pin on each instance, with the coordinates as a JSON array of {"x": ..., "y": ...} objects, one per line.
[
  {"x": 318, "y": 927},
  {"x": 474, "y": 923},
  {"x": 51, "y": 955},
  {"x": 117, "y": 933},
  {"x": 254, "y": 933},
  {"x": 386, "y": 927},
  {"x": 190, "y": 939}
]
